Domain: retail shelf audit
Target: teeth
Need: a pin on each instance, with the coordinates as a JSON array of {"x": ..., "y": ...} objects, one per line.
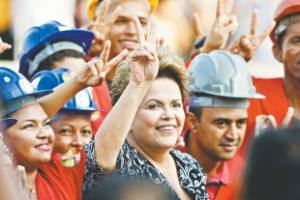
[{"x": 167, "y": 128}]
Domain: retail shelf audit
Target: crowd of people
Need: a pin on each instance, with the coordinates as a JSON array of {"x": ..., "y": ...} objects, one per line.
[{"x": 110, "y": 112}]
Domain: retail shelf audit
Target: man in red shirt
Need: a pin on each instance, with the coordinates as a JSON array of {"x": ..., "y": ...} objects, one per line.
[
  {"x": 221, "y": 86},
  {"x": 280, "y": 93}
]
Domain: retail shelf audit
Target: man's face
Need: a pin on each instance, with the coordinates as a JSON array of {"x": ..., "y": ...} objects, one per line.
[
  {"x": 123, "y": 34},
  {"x": 219, "y": 132},
  {"x": 289, "y": 52}
]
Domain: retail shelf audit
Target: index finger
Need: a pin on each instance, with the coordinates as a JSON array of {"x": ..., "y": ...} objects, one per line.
[
  {"x": 151, "y": 35},
  {"x": 253, "y": 22},
  {"x": 103, "y": 12},
  {"x": 220, "y": 8},
  {"x": 105, "y": 53},
  {"x": 139, "y": 30}
]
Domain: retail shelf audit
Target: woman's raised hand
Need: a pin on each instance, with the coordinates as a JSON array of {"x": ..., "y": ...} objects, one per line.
[{"x": 144, "y": 60}]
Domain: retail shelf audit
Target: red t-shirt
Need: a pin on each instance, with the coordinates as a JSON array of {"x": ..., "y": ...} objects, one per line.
[
  {"x": 102, "y": 99},
  {"x": 224, "y": 184},
  {"x": 57, "y": 182},
  {"x": 275, "y": 103}
]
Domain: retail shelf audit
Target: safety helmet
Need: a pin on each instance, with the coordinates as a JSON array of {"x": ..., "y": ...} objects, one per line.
[
  {"x": 92, "y": 7},
  {"x": 16, "y": 90},
  {"x": 223, "y": 75},
  {"x": 81, "y": 102},
  {"x": 285, "y": 8},
  {"x": 42, "y": 41},
  {"x": 7, "y": 123}
]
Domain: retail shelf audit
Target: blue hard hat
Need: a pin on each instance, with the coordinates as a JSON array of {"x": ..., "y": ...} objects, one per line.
[
  {"x": 14, "y": 89},
  {"x": 7, "y": 123},
  {"x": 38, "y": 38},
  {"x": 81, "y": 102}
]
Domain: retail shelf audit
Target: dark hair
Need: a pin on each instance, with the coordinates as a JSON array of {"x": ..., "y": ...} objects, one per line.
[
  {"x": 49, "y": 62},
  {"x": 196, "y": 111},
  {"x": 273, "y": 170},
  {"x": 117, "y": 188},
  {"x": 170, "y": 66}
]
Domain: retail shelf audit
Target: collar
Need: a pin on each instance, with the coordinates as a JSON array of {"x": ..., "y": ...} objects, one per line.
[{"x": 222, "y": 175}]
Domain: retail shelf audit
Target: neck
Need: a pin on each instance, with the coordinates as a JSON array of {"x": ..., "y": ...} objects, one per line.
[
  {"x": 209, "y": 164},
  {"x": 157, "y": 156},
  {"x": 31, "y": 176}
]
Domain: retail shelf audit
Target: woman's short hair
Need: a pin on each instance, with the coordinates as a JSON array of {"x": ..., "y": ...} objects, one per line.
[{"x": 170, "y": 66}]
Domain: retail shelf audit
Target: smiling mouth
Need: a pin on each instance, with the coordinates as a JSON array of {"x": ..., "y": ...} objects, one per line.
[
  {"x": 43, "y": 147},
  {"x": 128, "y": 44}
]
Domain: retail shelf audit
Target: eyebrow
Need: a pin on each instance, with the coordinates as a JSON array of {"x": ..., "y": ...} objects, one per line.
[{"x": 229, "y": 120}]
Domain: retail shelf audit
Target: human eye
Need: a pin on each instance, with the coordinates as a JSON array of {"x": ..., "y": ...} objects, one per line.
[
  {"x": 120, "y": 21},
  {"x": 47, "y": 122},
  {"x": 153, "y": 106},
  {"x": 86, "y": 132},
  {"x": 241, "y": 123},
  {"x": 295, "y": 39},
  {"x": 65, "y": 131},
  {"x": 177, "y": 105},
  {"x": 27, "y": 125},
  {"x": 221, "y": 123},
  {"x": 144, "y": 22}
]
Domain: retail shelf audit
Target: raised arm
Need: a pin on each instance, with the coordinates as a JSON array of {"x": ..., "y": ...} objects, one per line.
[
  {"x": 247, "y": 44},
  {"x": 224, "y": 25},
  {"x": 91, "y": 75},
  {"x": 116, "y": 126}
]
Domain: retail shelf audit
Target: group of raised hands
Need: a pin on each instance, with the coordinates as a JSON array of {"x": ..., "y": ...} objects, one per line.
[{"x": 225, "y": 25}]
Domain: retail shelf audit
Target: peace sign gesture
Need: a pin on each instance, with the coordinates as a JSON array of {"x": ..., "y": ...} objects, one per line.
[
  {"x": 247, "y": 44},
  {"x": 225, "y": 24},
  {"x": 97, "y": 69},
  {"x": 101, "y": 26},
  {"x": 144, "y": 60}
]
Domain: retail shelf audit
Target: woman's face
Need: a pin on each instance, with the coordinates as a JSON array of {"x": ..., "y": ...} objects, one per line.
[
  {"x": 71, "y": 130},
  {"x": 31, "y": 138},
  {"x": 160, "y": 118}
]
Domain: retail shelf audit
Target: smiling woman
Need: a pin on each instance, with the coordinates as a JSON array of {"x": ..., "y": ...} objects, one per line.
[{"x": 138, "y": 136}]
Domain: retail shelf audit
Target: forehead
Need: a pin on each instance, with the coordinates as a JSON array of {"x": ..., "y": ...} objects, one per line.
[
  {"x": 131, "y": 9},
  {"x": 163, "y": 89},
  {"x": 74, "y": 117},
  {"x": 225, "y": 113},
  {"x": 33, "y": 111},
  {"x": 293, "y": 29}
]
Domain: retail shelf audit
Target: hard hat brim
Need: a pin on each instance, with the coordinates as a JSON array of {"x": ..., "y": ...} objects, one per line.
[
  {"x": 7, "y": 123},
  {"x": 254, "y": 96},
  {"x": 82, "y": 37},
  {"x": 286, "y": 11}
]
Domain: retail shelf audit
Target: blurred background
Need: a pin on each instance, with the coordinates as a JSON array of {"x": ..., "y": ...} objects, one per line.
[{"x": 173, "y": 19}]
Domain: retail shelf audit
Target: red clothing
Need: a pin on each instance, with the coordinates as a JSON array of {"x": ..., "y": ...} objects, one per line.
[
  {"x": 275, "y": 103},
  {"x": 57, "y": 182},
  {"x": 102, "y": 99},
  {"x": 223, "y": 185}
]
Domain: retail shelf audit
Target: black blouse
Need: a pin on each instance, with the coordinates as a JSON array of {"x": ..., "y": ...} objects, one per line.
[{"x": 131, "y": 163}]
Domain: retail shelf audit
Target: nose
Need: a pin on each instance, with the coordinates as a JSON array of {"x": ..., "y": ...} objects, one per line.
[
  {"x": 45, "y": 132},
  {"x": 167, "y": 114},
  {"x": 232, "y": 132},
  {"x": 77, "y": 141},
  {"x": 130, "y": 28}
]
